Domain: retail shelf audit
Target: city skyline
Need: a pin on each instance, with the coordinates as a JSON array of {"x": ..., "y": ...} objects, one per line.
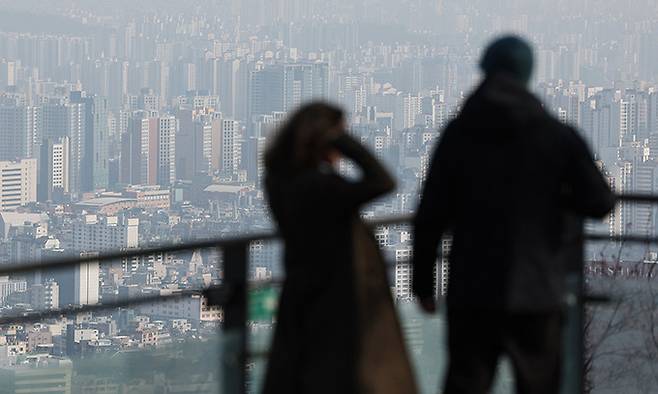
[{"x": 134, "y": 124}]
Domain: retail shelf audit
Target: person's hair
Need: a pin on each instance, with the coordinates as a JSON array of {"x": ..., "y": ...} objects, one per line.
[
  {"x": 511, "y": 55},
  {"x": 302, "y": 142}
]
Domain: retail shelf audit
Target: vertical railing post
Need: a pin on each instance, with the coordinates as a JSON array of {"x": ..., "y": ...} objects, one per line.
[
  {"x": 573, "y": 376},
  {"x": 234, "y": 356}
]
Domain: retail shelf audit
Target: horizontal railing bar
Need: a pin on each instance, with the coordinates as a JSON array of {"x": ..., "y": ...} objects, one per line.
[
  {"x": 636, "y": 197},
  {"x": 104, "y": 257},
  {"x": 390, "y": 220},
  {"x": 126, "y": 302},
  {"x": 621, "y": 238},
  {"x": 42, "y": 315}
]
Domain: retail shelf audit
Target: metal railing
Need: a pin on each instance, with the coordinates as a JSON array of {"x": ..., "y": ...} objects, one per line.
[{"x": 232, "y": 293}]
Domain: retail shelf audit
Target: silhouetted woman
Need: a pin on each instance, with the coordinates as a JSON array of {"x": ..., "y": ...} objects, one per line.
[{"x": 337, "y": 331}]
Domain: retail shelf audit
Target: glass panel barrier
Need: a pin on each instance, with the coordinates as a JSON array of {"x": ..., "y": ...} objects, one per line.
[{"x": 118, "y": 351}]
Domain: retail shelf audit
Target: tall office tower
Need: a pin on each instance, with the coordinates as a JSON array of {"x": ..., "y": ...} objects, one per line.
[
  {"x": 230, "y": 84},
  {"x": 407, "y": 109},
  {"x": 76, "y": 126},
  {"x": 99, "y": 147},
  {"x": 194, "y": 144},
  {"x": 94, "y": 170},
  {"x": 116, "y": 82},
  {"x": 167, "y": 128},
  {"x": 54, "y": 169},
  {"x": 55, "y": 120},
  {"x": 265, "y": 91},
  {"x": 92, "y": 233},
  {"x": 190, "y": 144},
  {"x": 130, "y": 165},
  {"x": 226, "y": 145},
  {"x": 18, "y": 183},
  {"x": 14, "y": 136},
  {"x": 283, "y": 87}
]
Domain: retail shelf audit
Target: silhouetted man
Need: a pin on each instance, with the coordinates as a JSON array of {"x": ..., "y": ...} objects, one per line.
[{"x": 503, "y": 178}]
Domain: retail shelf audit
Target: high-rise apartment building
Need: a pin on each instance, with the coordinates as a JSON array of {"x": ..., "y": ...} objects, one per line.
[
  {"x": 166, "y": 155},
  {"x": 86, "y": 279},
  {"x": 148, "y": 159},
  {"x": 148, "y": 150},
  {"x": 407, "y": 108},
  {"x": 18, "y": 183},
  {"x": 230, "y": 141},
  {"x": 94, "y": 144},
  {"x": 54, "y": 174},
  {"x": 404, "y": 271}
]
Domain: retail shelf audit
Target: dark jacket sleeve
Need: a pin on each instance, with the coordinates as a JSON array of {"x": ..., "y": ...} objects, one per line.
[
  {"x": 348, "y": 194},
  {"x": 433, "y": 217},
  {"x": 587, "y": 192}
]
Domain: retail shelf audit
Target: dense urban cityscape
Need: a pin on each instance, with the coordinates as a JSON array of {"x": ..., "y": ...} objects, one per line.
[{"x": 132, "y": 125}]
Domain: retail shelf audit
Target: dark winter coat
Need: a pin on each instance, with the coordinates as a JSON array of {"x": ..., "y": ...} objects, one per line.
[
  {"x": 336, "y": 329},
  {"x": 503, "y": 179}
]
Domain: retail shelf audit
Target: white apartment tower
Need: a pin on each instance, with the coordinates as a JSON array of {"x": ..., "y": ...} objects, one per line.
[
  {"x": 86, "y": 282},
  {"x": 60, "y": 172},
  {"x": 230, "y": 145},
  {"x": 408, "y": 107},
  {"x": 167, "y": 126},
  {"x": 54, "y": 175},
  {"x": 18, "y": 183},
  {"x": 404, "y": 271}
]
